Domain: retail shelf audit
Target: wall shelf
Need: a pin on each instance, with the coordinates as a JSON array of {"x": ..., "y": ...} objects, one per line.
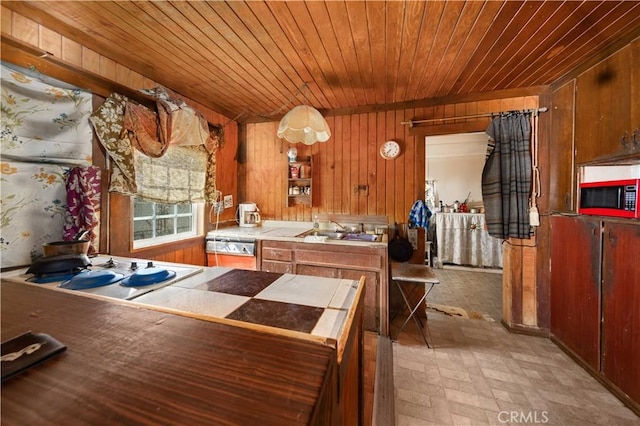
[{"x": 300, "y": 182}]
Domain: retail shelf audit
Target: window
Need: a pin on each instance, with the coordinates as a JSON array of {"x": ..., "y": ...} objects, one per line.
[{"x": 157, "y": 223}]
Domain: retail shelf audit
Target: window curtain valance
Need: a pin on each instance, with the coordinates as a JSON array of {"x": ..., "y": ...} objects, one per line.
[{"x": 166, "y": 155}]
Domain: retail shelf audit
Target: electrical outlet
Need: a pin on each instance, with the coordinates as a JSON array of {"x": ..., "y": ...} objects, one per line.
[
  {"x": 218, "y": 206},
  {"x": 228, "y": 201}
]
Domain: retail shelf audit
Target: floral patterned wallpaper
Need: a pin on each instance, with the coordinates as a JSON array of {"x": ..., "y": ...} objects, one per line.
[{"x": 45, "y": 132}]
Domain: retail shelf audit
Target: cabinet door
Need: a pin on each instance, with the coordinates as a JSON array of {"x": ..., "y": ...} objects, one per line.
[
  {"x": 621, "y": 307},
  {"x": 371, "y": 295},
  {"x": 575, "y": 286},
  {"x": 603, "y": 108}
]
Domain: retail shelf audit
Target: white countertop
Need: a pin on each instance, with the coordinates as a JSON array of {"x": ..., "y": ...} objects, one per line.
[
  {"x": 282, "y": 231},
  {"x": 335, "y": 296}
]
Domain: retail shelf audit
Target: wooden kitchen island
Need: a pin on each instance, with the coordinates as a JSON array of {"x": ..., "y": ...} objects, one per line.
[{"x": 126, "y": 364}]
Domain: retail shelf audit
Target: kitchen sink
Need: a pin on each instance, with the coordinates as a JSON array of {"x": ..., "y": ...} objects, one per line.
[
  {"x": 337, "y": 235},
  {"x": 330, "y": 235},
  {"x": 360, "y": 237}
]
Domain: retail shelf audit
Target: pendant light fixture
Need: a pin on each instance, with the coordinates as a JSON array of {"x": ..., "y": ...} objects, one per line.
[{"x": 304, "y": 124}]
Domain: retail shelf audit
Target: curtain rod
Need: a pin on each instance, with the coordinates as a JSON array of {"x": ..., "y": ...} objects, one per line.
[{"x": 412, "y": 123}]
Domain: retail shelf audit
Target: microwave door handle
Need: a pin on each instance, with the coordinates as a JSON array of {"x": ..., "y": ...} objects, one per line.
[{"x": 620, "y": 197}]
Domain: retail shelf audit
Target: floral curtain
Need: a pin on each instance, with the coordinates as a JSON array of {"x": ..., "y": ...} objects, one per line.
[
  {"x": 506, "y": 177},
  {"x": 159, "y": 157},
  {"x": 45, "y": 134}
]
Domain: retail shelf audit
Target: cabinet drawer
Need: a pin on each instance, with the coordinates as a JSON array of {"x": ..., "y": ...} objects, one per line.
[
  {"x": 279, "y": 267},
  {"x": 317, "y": 271},
  {"x": 270, "y": 253},
  {"x": 339, "y": 259}
]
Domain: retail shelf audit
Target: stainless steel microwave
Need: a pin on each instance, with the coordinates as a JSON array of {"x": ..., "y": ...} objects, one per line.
[{"x": 618, "y": 198}]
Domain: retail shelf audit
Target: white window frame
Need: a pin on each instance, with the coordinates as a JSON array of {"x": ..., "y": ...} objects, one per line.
[{"x": 197, "y": 210}]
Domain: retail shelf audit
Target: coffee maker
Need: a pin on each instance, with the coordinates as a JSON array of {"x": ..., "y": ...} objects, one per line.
[{"x": 248, "y": 215}]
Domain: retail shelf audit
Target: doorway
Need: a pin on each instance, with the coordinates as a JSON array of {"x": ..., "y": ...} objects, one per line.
[{"x": 467, "y": 260}]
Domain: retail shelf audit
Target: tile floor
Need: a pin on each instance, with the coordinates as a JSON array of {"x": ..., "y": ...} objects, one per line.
[
  {"x": 472, "y": 290},
  {"x": 479, "y": 373}
]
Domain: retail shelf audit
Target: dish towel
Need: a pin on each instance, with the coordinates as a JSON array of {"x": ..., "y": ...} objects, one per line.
[{"x": 419, "y": 215}]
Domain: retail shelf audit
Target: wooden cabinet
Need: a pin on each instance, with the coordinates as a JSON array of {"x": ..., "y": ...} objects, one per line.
[
  {"x": 607, "y": 111},
  {"x": 336, "y": 261},
  {"x": 561, "y": 187},
  {"x": 276, "y": 259},
  {"x": 595, "y": 298},
  {"x": 621, "y": 307},
  {"x": 575, "y": 286},
  {"x": 300, "y": 182}
]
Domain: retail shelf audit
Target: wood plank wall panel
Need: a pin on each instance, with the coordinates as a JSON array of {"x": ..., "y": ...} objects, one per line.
[
  {"x": 192, "y": 251},
  {"x": 561, "y": 188},
  {"x": 351, "y": 158},
  {"x": 543, "y": 232}
]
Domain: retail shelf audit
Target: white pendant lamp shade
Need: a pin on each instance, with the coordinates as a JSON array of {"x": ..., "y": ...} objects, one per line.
[{"x": 304, "y": 124}]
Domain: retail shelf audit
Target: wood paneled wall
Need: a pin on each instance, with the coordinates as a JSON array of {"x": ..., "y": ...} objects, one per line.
[
  {"x": 351, "y": 158},
  {"x": 99, "y": 70}
]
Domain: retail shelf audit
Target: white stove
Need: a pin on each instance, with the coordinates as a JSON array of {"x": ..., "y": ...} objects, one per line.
[{"x": 121, "y": 271}]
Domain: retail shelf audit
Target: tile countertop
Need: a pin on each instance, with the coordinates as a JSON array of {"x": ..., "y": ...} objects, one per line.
[
  {"x": 282, "y": 231},
  {"x": 313, "y": 306}
]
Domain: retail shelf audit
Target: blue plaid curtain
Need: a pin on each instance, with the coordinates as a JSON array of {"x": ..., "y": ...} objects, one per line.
[{"x": 506, "y": 177}]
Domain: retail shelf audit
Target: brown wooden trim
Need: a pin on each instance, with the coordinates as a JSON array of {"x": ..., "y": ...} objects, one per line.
[
  {"x": 422, "y": 103},
  {"x": 520, "y": 329},
  {"x": 27, "y": 56},
  {"x": 515, "y": 252},
  {"x": 120, "y": 232},
  {"x": 543, "y": 232},
  {"x": 383, "y": 400},
  {"x": 158, "y": 250},
  {"x": 451, "y": 128}
]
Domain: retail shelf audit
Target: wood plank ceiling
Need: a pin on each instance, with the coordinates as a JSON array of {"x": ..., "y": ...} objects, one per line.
[{"x": 254, "y": 60}]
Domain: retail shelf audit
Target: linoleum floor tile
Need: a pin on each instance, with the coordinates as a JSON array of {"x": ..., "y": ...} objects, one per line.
[{"x": 476, "y": 372}]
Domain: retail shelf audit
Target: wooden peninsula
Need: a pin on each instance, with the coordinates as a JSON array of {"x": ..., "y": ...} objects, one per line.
[{"x": 126, "y": 363}]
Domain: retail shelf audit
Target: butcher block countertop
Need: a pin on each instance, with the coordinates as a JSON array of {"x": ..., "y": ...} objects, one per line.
[{"x": 129, "y": 365}]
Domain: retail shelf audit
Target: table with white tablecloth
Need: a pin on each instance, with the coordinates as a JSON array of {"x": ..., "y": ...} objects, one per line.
[{"x": 463, "y": 240}]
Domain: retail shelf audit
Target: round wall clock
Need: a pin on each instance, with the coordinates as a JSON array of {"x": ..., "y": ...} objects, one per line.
[{"x": 389, "y": 150}]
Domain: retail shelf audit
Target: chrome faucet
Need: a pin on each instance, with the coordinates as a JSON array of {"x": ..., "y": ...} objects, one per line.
[{"x": 340, "y": 226}]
